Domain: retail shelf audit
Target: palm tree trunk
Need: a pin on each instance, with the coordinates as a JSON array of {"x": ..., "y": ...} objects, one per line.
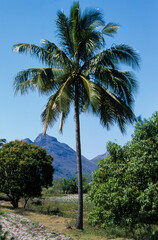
[{"x": 79, "y": 223}]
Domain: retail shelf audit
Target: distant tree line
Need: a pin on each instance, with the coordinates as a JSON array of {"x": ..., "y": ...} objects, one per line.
[{"x": 70, "y": 185}]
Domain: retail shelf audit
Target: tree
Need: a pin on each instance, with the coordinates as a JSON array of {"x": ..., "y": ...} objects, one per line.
[
  {"x": 81, "y": 72},
  {"x": 124, "y": 189},
  {"x": 24, "y": 170},
  {"x": 71, "y": 185}
]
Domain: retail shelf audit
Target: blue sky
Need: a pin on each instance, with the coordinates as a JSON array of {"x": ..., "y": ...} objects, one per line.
[{"x": 30, "y": 21}]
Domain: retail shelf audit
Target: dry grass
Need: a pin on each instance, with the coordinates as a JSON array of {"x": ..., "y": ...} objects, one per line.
[{"x": 61, "y": 225}]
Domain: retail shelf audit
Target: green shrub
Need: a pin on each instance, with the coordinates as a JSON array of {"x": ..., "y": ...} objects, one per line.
[
  {"x": 24, "y": 170},
  {"x": 68, "y": 186},
  {"x": 124, "y": 189}
]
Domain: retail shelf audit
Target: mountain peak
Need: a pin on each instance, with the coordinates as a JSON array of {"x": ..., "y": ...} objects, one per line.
[
  {"x": 44, "y": 138},
  {"x": 28, "y": 140},
  {"x": 65, "y": 163}
]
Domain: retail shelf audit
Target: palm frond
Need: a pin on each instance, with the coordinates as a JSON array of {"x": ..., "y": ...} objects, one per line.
[
  {"x": 124, "y": 54},
  {"x": 63, "y": 118},
  {"x": 65, "y": 94},
  {"x": 122, "y": 83},
  {"x": 43, "y": 79},
  {"x": 91, "y": 19},
  {"x": 113, "y": 110},
  {"x": 42, "y": 54},
  {"x": 64, "y": 99},
  {"x": 110, "y": 29},
  {"x": 64, "y": 33},
  {"x": 51, "y": 113},
  {"x": 75, "y": 23},
  {"x": 112, "y": 57},
  {"x": 58, "y": 57},
  {"x": 58, "y": 103},
  {"x": 91, "y": 90},
  {"x": 91, "y": 42},
  {"x": 103, "y": 58}
]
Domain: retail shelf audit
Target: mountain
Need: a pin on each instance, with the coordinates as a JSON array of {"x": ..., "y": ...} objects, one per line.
[
  {"x": 99, "y": 157},
  {"x": 28, "y": 140},
  {"x": 64, "y": 163}
]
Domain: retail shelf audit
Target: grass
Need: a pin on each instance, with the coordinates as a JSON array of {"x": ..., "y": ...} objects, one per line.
[{"x": 58, "y": 213}]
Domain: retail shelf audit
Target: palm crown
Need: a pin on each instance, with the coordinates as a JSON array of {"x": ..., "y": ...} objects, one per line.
[{"x": 81, "y": 63}]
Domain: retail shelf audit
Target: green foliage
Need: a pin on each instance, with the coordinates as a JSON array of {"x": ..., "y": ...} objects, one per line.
[
  {"x": 124, "y": 189},
  {"x": 24, "y": 170},
  {"x": 69, "y": 186}
]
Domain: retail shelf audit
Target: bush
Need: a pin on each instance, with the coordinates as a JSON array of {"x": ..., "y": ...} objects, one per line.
[
  {"x": 24, "y": 170},
  {"x": 124, "y": 189},
  {"x": 70, "y": 186}
]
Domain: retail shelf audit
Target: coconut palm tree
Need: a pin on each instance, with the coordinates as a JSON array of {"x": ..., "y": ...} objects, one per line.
[{"x": 83, "y": 73}]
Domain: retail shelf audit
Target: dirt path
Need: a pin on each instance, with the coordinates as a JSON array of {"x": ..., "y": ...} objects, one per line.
[{"x": 22, "y": 228}]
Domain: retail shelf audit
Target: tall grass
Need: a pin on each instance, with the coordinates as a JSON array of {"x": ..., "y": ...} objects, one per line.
[{"x": 58, "y": 205}]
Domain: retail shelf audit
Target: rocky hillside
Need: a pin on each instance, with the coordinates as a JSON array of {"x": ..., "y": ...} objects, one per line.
[
  {"x": 99, "y": 157},
  {"x": 64, "y": 157}
]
